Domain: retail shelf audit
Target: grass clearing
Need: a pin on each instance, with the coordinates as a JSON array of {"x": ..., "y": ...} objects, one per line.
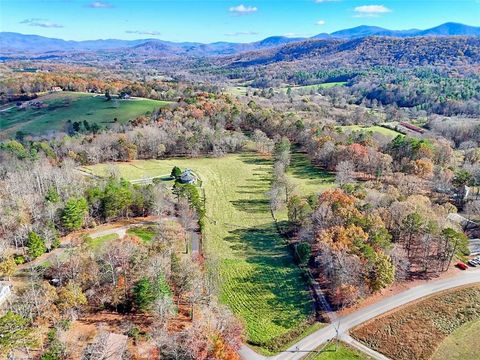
[
  {"x": 375, "y": 129},
  {"x": 304, "y": 329},
  {"x": 237, "y": 90},
  {"x": 145, "y": 233},
  {"x": 415, "y": 331},
  {"x": 342, "y": 352},
  {"x": 261, "y": 284},
  {"x": 99, "y": 242},
  {"x": 307, "y": 178},
  {"x": 63, "y": 106},
  {"x": 462, "y": 344},
  {"x": 308, "y": 88}
]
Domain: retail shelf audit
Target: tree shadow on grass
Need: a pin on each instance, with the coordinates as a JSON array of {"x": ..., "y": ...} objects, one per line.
[
  {"x": 301, "y": 167},
  {"x": 255, "y": 160},
  {"x": 251, "y": 192},
  {"x": 251, "y": 206},
  {"x": 276, "y": 283}
]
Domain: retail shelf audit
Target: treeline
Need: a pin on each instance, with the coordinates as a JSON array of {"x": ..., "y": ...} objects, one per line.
[{"x": 18, "y": 86}]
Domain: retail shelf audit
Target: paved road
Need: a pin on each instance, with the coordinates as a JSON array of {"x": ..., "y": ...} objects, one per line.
[{"x": 345, "y": 323}]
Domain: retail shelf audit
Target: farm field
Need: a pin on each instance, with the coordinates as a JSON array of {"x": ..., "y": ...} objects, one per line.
[
  {"x": 260, "y": 281},
  {"x": 415, "y": 331},
  {"x": 63, "y": 106},
  {"x": 462, "y": 344},
  {"x": 378, "y": 129},
  {"x": 343, "y": 352}
]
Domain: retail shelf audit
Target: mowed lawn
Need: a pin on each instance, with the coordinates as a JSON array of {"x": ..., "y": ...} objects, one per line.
[
  {"x": 375, "y": 129},
  {"x": 462, "y": 344},
  {"x": 307, "y": 178},
  {"x": 63, "y": 106},
  {"x": 259, "y": 279}
]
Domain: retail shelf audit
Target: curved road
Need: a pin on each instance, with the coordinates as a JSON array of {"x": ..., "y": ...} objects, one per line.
[{"x": 345, "y": 323}]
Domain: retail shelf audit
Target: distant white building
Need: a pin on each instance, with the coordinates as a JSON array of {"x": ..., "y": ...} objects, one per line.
[{"x": 56, "y": 89}]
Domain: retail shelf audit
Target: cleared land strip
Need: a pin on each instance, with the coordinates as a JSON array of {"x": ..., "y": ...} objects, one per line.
[
  {"x": 345, "y": 323},
  {"x": 261, "y": 284}
]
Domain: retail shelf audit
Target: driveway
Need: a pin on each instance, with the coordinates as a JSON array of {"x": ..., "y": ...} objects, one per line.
[
  {"x": 345, "y": 323},
  {"x": 66, "y": 242}
]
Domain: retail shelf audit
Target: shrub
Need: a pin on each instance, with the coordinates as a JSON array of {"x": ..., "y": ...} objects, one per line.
[
  {"x": 176, "y": 172},
  {"x": 303, "y": 251}
]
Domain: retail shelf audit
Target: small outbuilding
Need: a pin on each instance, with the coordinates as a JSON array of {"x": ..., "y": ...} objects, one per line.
[
  {"x": 188, "y": 177},
  {"x": 56, "y": 89}
]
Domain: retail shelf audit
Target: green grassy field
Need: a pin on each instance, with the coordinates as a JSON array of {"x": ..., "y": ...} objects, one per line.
[
  {"x": 63, "y": 106},
  {"x": 237, "y": 90},
  {"x": 462, "y": 344},
  {"x": 260, "y": 281},
  {"x": 242, "y": 90},
  {"x": 96, "y": 244},
  {"x": 378, "y": 129},
  {"x": 307, "y": 88},
  {"x": 343, "y": 352},
  {"x": 307, "y": 178},
  {"x": 146, "y": 233}
]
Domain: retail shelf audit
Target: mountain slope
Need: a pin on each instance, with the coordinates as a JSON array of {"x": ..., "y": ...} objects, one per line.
[
  {"x": 451, "y": 29},
  {"x": 370, "y": 51},
  {"x": 447, "y": 29},
  {"x": 15, "y": 43}
]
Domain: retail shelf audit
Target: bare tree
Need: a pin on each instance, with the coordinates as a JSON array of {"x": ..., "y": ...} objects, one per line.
[{"x": 345, "y": 173}]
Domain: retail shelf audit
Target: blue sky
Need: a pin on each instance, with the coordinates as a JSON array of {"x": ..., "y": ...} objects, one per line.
[{"x": 209, "y": 21}]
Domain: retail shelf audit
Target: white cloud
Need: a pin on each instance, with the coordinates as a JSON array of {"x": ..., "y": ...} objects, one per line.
[
  {"x": 41, "y": 23},
  {"x": 100, "y": 5},
  {"x": 242, "y": 9},
  {"x": 142, "y": 32},
  {"x": 239, "y": 33},
  {"x": 320, "y": 22},
  {"x": 371, "y": 10}
]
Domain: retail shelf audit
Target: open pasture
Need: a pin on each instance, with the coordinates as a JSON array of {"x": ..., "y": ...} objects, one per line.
[
  {"x": 374, "y": 129},
  {"x": 260, "y": 281},
  {"x": 57, "y": 109}
]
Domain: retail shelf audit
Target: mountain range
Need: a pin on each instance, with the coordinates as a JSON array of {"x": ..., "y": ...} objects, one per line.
[{"x": 15, "y": 43}]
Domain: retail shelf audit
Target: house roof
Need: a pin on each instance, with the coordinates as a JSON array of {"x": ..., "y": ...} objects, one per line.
[{"x": 188, "y": 175}]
